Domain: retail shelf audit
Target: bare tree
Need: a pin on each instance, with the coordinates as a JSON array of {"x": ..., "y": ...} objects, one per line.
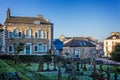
[{"x": 18, "y": 47}]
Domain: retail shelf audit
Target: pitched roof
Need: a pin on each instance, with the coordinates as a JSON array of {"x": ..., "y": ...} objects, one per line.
[
  {"x": 114, "y": 36},
  {"x": 75, "y": 42},
  {"x": 26, "y": 20},
  {"x": 1, "y": 27}
]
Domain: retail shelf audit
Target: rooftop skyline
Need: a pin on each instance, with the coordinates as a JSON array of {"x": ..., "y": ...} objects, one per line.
[{"x": 97, "y": 18}]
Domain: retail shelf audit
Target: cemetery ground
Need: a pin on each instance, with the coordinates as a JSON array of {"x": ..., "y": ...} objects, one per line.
[{"x": 30, "y": 71}]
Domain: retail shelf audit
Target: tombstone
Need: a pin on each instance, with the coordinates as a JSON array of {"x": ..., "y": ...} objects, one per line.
[
  {"x": 81, "y": 64},
  {"x": 108, "y": 73},
  {"x": 59, "y": 71},
  {"x": 84, "y": 68},
  {"x": 77, "y": 67},
  {"x": 41, "y": 66},
  {"x": 115, "y": 78},
  {"x": 101, "y": 69},
  {"x": 48, "y": 69},
  {"x": 68, "y": 68},
  {"x": 72, "y": 75},
  {"x": 91, "y": 67},
  {"x": 54, "y": 69}
]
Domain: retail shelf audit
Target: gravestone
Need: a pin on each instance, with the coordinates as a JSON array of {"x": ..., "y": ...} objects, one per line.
[
  {"x": 54, "y": 69},
  {"x": 108, "y": 73},
  {"x": 77, "y": 67},
  {"x": 48, "y": 69},
  {"x": 115, "y": 75},
  {"x": 41, "y": 66},
  {"x": 101, "y": 69},
  {"x": 68, "y": 67},
  {"x": 84, "y": 68}
]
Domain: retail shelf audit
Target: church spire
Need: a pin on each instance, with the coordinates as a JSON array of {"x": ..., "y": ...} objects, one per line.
[{"x": 8, "y": 13}]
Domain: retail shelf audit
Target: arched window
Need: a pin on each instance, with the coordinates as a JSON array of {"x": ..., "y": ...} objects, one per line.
[
  {"x": 28, "y": 33},
  {"x": 40, "y": 33},
  {"x": 15, "y": 34},
  {"x": 45, "y": 34},
  {"x": 40, "y": 47}
]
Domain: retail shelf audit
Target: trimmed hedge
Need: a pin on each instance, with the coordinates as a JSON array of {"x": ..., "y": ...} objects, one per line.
[{"x": 30, "y": 58}]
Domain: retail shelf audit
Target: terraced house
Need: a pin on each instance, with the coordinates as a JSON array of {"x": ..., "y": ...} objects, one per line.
[{"x": 35, "y": 32}]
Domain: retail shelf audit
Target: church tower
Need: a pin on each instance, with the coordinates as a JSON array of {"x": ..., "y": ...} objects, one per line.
[{"x": 8, "y": 13}]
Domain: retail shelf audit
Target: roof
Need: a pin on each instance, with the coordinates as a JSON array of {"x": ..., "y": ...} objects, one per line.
[
  {"x": 58, "y": 44},
  {"x": 78, "y": 43},
  {"x": 1, "y": 27},
  {"x": 114, "y": 36},
  {"x": 26, "y": 20}
]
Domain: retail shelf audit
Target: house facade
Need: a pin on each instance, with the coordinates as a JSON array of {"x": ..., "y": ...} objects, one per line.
[
  {"x": 1, "y": 29},
  {"x": 79, "y": 48},
  {"x": 35, "y": 32},
  {"x": 110, "y": 42}
]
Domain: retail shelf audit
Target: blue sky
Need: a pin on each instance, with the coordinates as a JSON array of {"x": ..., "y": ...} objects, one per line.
[{"x": 97, "y": 18}]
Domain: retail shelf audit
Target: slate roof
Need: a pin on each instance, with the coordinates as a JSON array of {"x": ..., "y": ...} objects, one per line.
[
  {"x": 26, "y": 20},
  {"x": 75, "y": 42},
  {"x": 111, "y": 37},
  {"x": 1, "y": 27}
]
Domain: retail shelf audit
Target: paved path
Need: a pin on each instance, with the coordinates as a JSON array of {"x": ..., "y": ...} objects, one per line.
[{"x": 106, "y": 61}]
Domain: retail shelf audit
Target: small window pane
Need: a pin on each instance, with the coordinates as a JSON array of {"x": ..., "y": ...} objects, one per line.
[
  {"x": 36, "y": 48},
  {"x": 36, "y": 34},
  {"x": 10, "y": 34},
  {"x": 20, "y": 34},
  {"x": 10, "y": 48}
]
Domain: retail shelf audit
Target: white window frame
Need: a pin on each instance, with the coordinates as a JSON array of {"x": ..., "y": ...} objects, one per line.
[
  {"x": 21, "y": 34},
  {"x": 34, "y": 48},
  {"x": 35, "y": 34},
  {"x": 9, "y": 34},
  {"x": 44, "y": 48},
  {"x": 40, "y": 50},
  {"x": 15, "y": 33},
  {"x": 40, "y": 34},
  {"x": 44, "y": 34},
  {"x": 29, "y": 34},
  {"x": 9, "y": 49},
  {"x": 77, "y": 53}
]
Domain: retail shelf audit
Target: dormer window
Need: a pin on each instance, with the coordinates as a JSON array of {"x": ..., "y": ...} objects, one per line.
[
  {"x": 36, "y": 22},
  {"x": 114, "y": 37}
]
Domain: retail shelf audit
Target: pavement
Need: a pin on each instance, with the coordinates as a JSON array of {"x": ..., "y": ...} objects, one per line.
[{"x": 107, "y": 61}]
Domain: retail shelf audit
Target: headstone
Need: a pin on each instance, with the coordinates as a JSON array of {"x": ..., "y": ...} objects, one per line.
[
  {"x": 115, "y": 78},
  {"x": 84, "y": 68},
  {"x": 68, "y": 68},
  {"x": 54, "y": 69},
  {"x": 108, "y": 73},
  {"x": 59, "y": 71},
  {"x": 41, "y": 66},
  {"x": 48, "y": 69},
  {"x": 72, "y": 75},
  {"x": 77, "y": 67},
  {"x": 101, "y": 69}
]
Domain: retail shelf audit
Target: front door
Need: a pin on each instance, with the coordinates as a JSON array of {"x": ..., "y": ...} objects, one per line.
[{"x": 28, "y": 49}]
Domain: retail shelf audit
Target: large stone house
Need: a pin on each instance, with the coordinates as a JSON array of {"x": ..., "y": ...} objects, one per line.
[
  {"x": 99, "y": 45},
  {"x": 1, "y": 29},
  {"x": 110, "y": 42},
  {"x": 78, "y": 47},
  {"x": 35, "y": 32}
]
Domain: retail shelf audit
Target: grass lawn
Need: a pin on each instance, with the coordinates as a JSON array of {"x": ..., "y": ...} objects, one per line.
[{"x": 30, "y": 72}]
